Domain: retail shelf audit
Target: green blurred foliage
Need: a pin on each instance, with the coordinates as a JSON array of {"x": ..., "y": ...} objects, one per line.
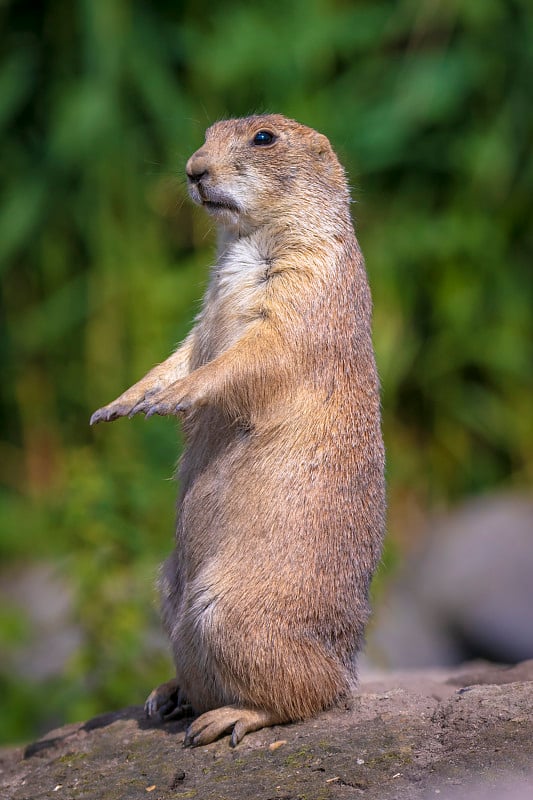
[{"x": 103, "y": 262}]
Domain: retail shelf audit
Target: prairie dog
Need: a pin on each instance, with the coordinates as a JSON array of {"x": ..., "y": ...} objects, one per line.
[{"x": 281, "y": 506}]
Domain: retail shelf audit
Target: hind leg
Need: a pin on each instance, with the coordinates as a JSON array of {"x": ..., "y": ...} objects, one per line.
[
  {"x": 212, "y": 724},
  {"x": 168, "y": 702}
]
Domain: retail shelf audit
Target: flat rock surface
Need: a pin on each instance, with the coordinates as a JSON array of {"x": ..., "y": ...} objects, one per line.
[{"x": 459, "y": 734}]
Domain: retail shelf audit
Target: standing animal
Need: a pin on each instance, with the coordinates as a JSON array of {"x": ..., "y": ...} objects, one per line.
[{"x": 281, "y": 506}]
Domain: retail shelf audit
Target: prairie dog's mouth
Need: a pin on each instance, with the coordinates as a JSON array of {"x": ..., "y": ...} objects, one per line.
[
  {"x": 220, "y": 205},
  {"x": 212, "y": 199}
]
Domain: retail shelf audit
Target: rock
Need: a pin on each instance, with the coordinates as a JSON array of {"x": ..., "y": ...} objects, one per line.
[{"x": 459, "y": 734}]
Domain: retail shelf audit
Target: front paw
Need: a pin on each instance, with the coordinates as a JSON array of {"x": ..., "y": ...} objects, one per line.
[
  {"x": 127, "y": 405},
  {"x": 146, "y": 402},
  {"x": 168, "y": 406},
  {"x": 110, "y": 412}
]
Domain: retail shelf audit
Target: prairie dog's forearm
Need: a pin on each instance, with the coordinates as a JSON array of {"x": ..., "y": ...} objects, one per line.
[
  {"x": 177, "y": 365},
  {"x": 239, "y": 375},
  {"x": 237, "y": 380}
]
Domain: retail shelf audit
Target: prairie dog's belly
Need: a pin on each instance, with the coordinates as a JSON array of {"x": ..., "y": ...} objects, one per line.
[{"x": 260, "y": 491}]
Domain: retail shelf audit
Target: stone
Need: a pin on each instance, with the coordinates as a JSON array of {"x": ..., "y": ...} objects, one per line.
[{"x": 460, "y": 734}]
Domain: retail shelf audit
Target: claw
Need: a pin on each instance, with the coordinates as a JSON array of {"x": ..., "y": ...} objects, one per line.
[
  {"x": 99, "y": 416},
  {"x": 137, "y": 409},
  {"x": 105, "y": 414},
  {"x": 192, "y": 738},
  {"x": 152, "y": 410}
]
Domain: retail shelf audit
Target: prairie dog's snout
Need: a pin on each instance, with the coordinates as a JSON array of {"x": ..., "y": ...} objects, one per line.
[
  {"x": 198, "y": 175},
  {"x": 211, "y": 184},
  {"x": 197, "y": 166}
]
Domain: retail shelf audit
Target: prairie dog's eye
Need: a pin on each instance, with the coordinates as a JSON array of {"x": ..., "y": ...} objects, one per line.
[{"x": 263, "y": 137}]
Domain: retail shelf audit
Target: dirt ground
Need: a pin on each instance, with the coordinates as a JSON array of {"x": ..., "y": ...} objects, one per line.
[{"x": 465, "y": 734}]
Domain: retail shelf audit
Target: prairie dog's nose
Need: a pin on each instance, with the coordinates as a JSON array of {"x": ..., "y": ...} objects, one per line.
[{"x": 197, "y": 167}]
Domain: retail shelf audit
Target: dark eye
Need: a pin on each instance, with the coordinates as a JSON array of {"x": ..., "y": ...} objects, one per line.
[{"x": 263, "y": 137}]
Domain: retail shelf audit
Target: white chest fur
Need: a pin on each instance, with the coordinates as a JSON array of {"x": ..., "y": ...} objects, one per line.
[
  {"x": 241, "y": 272},
  {"x": 236, "y": 294}
]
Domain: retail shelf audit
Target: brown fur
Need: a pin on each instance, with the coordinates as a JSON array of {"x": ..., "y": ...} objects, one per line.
[{"x": 281, "y": 507}]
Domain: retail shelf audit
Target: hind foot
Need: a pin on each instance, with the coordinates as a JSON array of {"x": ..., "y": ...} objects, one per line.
[
  {"x": 168, "y": 702},
  {"x": 212, "y": 724}
]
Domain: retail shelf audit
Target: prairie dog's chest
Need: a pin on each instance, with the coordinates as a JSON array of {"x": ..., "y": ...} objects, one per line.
[{"x": 235, "y": 296}]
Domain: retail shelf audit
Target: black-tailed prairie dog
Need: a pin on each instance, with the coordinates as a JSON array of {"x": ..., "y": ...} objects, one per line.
[{"x": 281, "y": 507}]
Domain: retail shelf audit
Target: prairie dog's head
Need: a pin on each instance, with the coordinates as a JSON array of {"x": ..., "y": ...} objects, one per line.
[{"x": 253, "y": 170}]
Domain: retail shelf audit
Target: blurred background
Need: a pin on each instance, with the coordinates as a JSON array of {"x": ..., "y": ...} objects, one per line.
[{"x": 103, "y": 261}]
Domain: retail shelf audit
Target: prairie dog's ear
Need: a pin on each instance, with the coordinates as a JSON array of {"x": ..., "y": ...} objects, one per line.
[
  {"x": 328, "y": 162},
  {"x": 321, "y": 145}
]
